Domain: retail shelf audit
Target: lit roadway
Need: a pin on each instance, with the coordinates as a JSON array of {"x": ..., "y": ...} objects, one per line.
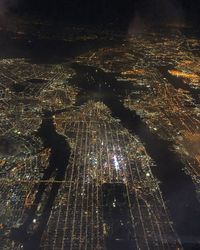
[{"x": 103, "y": 152}]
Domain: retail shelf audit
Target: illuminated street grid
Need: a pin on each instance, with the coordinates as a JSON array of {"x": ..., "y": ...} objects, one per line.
[
  {"x": 179, "y": 122},
  {"x": 41, "y": 87},
  {"x": 21, "y": 170},
  {"x": 104, "y": 152},
  {"x": 22, "y": 158},
  {"x": 170, "y": 111}
]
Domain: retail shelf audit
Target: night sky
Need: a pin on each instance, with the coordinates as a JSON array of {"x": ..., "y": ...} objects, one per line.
[{"x": 100, "y": 11}]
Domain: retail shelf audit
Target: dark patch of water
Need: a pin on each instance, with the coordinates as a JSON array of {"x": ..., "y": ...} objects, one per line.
[
  {"x": 44, "y": 50},
  {"x": 177, "y": 187},
  {"x": 179, "y": 84},
  {"x": 58, "y": 161}
]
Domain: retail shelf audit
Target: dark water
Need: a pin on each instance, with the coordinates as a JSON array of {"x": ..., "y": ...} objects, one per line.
[
  {"x": 177, "y": 187},
  {"x": 94, "y": 83},
  {"x": 58, "y": 161},
  {"x": 179, "y": 84},
  {"x": 32, "y": 47}
]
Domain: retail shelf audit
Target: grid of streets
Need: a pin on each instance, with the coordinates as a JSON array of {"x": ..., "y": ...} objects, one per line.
[{"x": 102, "y": 150}]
